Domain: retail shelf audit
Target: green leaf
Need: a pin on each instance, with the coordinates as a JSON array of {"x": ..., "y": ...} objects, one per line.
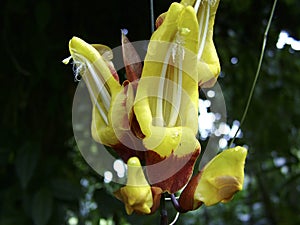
[
  {"x": 26, "y": 160},
  {"x": 42, "y": 207}
]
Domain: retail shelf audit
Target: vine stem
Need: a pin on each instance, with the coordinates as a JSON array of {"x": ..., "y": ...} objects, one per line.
[{"x": 257, "y": 71}]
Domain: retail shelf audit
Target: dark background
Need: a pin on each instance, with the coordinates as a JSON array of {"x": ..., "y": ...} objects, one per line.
[{"x": 44, "y": 179}]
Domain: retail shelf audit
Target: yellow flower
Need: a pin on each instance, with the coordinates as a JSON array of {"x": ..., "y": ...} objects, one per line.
[
  {"x": 208, "y": 61},
  {"x": 208, "y": 65},
  {"x": 218, "y": 181},
  {"x": 103, "y": 87},
  {"x": 166, "y": 103},
  {"x": 110, "y": 99},
  {"x": 137, "y": 194},
  {"x": 158, "y": 113}
]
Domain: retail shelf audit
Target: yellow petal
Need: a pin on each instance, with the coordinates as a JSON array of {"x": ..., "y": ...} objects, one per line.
[
  {"x": 102, "y": 85},
  {"x": 167, "y": 96},
  {"x": 221, "y": 177},
  {"x": 137, "y": 194},
  {"x": 208, "y": 65},
  {"x": 87, "y": 54},
  {"x": 135, "y": 174}
]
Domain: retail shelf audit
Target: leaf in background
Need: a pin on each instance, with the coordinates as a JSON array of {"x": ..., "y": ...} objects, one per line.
[
  {"x": 26, "y": 160},
  {"x": 65, "y": 190},
  {"x": 43, "y": 14},
  {"x": 42, "y": 207}
]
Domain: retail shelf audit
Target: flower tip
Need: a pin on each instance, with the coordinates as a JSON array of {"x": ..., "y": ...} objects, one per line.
[
  {"x": 67, "y": 60},
  {"x": 243, "y": 150},
  {"x": 134, "y": 161},
  {"x": 79, "y": 46},
  {"x": 124, "y": 31},
  {"x": 75, "y": 41},
  {"x": 128, "y": 209}
]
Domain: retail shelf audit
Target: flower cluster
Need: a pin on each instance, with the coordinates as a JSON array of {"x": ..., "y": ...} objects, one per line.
[{"x": 150, "y": 120}]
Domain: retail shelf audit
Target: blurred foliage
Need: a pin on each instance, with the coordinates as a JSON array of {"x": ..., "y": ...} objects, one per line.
[{"x": 45, "y": 180}]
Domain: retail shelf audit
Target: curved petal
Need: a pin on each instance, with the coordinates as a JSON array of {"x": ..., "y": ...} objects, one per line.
[
  {"x": 132, "y": 60},
  {"x": 208, "y": 65},
  {"x": 218, "y": 181},
  {"x": 208, "y": 61}
]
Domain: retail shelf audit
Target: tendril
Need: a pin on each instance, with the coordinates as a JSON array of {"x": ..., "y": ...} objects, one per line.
[{"x": 257, "y": 71}]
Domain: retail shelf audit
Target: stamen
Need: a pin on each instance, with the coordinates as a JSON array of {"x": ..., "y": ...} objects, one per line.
[
  {"x": 95, "y": 84},
  {"x": 78, "y": 69},
  {"x": 201, "y": 19},
  {"x": 202, "y": 40},
  {"x": 100, "y": 87},
  {"x": 159, "y": 104},
  {"x": 212, "y": 2},
  {"x": 94, "y": 99},
  {"x": 197, "y": 4},
  {"x": 177, "y": 90}
]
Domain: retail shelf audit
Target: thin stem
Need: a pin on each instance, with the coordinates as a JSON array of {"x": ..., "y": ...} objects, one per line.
[
  {"x": 257, "y": 71},
  {"x": 152, "y": 15},
  {"x": 163, "y": 212},
  {"x": 176, "y": 204}
]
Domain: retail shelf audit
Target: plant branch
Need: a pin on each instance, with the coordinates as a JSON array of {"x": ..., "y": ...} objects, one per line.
[
  {"x": 152, "y": 15},
  {"x": 163, "y": 212}
]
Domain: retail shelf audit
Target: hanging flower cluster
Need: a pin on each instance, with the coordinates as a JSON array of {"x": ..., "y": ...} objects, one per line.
[{"x": 151, "y": 119}]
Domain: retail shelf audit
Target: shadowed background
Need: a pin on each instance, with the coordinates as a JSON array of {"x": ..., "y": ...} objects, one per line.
[{"x": 45, "y": 180}]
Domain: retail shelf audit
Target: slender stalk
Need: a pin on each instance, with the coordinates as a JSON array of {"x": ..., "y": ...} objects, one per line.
[
  {"x": 152, "y": 15},
  {"x": 257, "y": 71}
]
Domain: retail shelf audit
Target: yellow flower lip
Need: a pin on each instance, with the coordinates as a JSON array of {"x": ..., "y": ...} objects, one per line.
[
  {"x": 217, "y": 182},
  {"x": 136, "y": 195}
]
